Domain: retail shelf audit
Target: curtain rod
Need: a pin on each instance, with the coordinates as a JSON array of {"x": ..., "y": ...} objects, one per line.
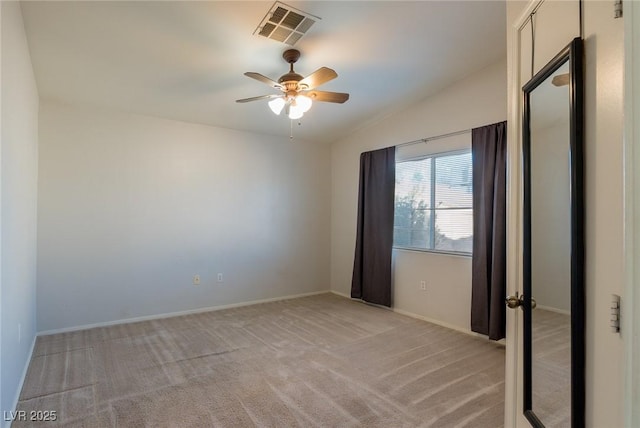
[{"x": 437, "y": 137}]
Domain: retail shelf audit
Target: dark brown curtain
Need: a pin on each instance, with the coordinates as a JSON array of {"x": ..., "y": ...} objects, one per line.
[
  {"x": 489, "y": 152},
  {"x": 372, "y": 264}
]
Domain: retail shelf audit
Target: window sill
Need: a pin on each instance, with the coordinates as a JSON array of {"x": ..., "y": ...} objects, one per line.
[{"x": 438, "y": 252}]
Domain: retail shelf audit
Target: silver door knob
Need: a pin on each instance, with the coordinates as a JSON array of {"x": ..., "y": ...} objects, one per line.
[{"x": 515, "y": 301}]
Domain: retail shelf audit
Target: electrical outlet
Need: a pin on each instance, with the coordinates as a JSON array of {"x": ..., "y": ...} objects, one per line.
[
  {"x": 196, "y": 279},
  {"x": 423, "y": 285},
  {"x": 220, "y": 278}
]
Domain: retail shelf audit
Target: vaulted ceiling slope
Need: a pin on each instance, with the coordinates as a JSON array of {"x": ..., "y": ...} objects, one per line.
[{"x": 185, "y": 60}]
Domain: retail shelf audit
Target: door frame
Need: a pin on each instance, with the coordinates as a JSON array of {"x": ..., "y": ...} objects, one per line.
[
  {"x": 514, "y": 400},
  {"x": 630, "y": 311}
]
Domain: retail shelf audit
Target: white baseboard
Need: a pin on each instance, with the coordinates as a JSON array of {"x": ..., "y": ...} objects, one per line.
[
  {"x": 556, "y": 310},
  {"x": 446, "y": 325},
  {"x": 249, "y": 303},
  {"x": 427, "y": 319},
  {"x": 7, "y": 424},
  {"x": 340, "y": 294},
  {"x": 178, "y": 313}
]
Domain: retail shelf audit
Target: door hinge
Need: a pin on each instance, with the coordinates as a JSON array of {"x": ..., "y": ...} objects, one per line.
[
  {"x": 617, "y": 9},
  {"x": 614, "y": 324}
]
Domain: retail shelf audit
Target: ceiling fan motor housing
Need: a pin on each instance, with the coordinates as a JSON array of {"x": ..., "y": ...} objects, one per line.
[{"x": 291, "y": 79}]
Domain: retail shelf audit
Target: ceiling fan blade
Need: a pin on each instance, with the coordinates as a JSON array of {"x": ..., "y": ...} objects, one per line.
[
  {"x": 318, "y": 77},
  {"x": 264, "y": 79},
  {"x": 330, "y": 97},
  {"x": 560, "y": 79},
  {"x": 261, "y": 97}
]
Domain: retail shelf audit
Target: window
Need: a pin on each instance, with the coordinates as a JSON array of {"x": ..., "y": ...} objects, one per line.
[{"x": 433, "y": 203}]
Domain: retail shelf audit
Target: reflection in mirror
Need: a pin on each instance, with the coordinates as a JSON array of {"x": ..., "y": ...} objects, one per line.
[
  {"x": 553, "y": 243},
  {"x": 551, "y": 249}
]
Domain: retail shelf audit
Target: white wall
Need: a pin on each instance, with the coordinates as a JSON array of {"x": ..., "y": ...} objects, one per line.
[
  {"x": 631, "y": 305},
  {"x": 604, "y": 62},
  {"x": 475, "y": 101},
  {"x": 131, "y": 207},
  {"x": 19, "y": 154}
]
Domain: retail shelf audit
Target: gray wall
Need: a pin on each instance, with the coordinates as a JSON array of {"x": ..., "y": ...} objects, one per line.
[
  {"x": 19, "y": 172},
  {"x": 131, "y": 207}
]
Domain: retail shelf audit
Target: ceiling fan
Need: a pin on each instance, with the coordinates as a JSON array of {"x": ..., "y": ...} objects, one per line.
[
  {"x": 560, "y": 79},
  {"x": 298, "y": 92}
]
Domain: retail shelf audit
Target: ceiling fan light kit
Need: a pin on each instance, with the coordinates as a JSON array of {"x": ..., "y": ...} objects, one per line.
[
  {"x": 277, "y": 105},
  {"x": 303, "y": 102},
  {"x": 294, "y": 112},
  {"x": 298, "y": 94}
]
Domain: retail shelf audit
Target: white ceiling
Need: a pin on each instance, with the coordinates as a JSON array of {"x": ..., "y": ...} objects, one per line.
[{"x": 185, "y": 60}]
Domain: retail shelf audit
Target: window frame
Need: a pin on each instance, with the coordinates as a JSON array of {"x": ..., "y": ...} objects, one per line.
[{"x": 432, "y": 231}]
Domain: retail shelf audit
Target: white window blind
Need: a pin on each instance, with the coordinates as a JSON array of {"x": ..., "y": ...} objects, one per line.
[{"x": 433, "y": 203}]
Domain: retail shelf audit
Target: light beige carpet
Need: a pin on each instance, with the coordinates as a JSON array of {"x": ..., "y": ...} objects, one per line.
[
  {"x": 551, "y": 368},
  {"x": 321, "y": 361}
]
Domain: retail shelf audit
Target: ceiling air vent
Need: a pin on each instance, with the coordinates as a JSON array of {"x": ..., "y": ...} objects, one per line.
[{"x": 285, "y": 24}]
